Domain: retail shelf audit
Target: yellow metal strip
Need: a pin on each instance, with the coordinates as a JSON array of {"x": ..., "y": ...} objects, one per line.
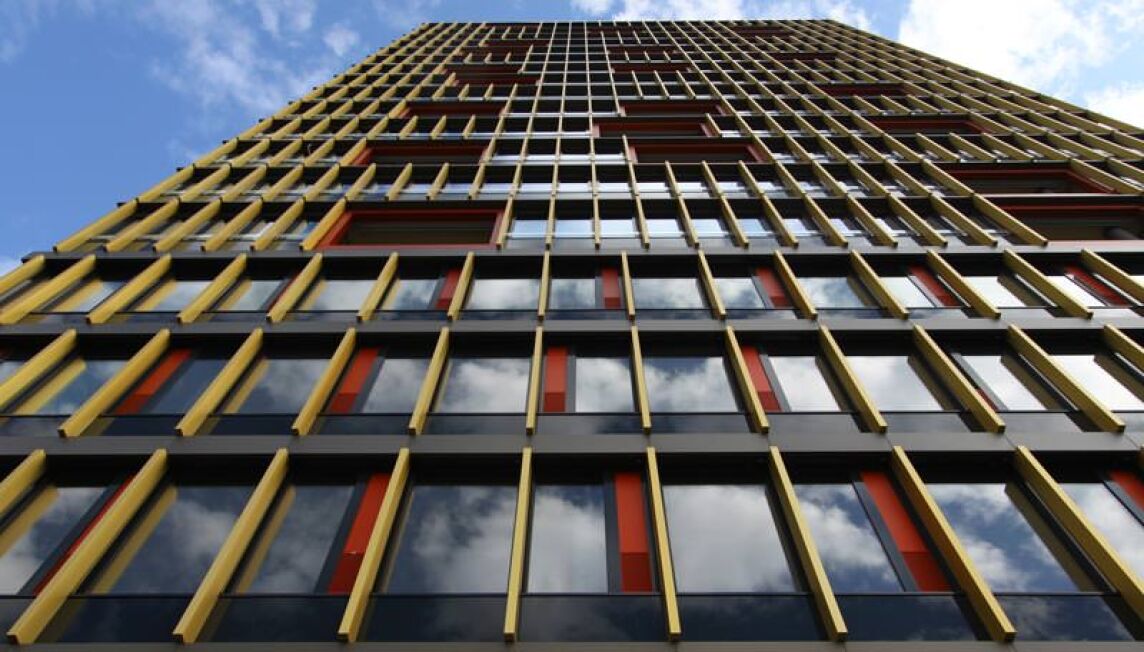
[
  {"x": 97, "y": 227},
  {"x": 362, "y": 182},
  {"x": 377, "y": 292},
  {"x": 88, "y": 553},
  {"x": 863, "y": 216},
  {"x": 37, "y": 366},
  {"x": 743, "y": 378},
  {"x": 1113, "y": 274},
  {"x": 797, "y": 294},
  {"x": 1124, "y": 345},
  {"x": 975, "y": 299},
  {"x": 429, "y": 384},
  {"x": 215, "y": 392},
  {"x": 941, "y": 532},
  {"x": 144, "y": 226},
  {"x": 824, "y": 599},
  {"x": 462, "y": 290},
  {"x": 233, "y": 226},
  {"x": 110, "y": 391},
  {"x": 400, "y": 182},
  {"x": 957, "y": 383},
  {"x": 38, "y": 295},
  {"x": 324, "y": 225},
  {"x": 519, "y": 543},
  {"x": 20, "y": 479},
  {"x": 322, "y": 183},
  {"x": 195, "y": 616},
  {"x": 915, "y": 222},
  {"x": 876, "y": 287},
  {"x": 212, "y": 292},
  {"x": 545, "y": 279},
  {"x": 959, "y": 219},
  {"x": 1072, "y": 518},
  {"x": 284, "y": 221},
  {"x": 176, "y": 235},
  {"x": 663, "y": 548},
  {"x": 438, "y": 181},
  {"x": 351, "y": 623},
  {"x": 629, "y": 295},
  {"x": 130, "y": 291},
  {"x": 870, "y": 413},
  {"x": 533, "y": 400},
  {"x": 1100, "y": 176},
  {"x": 296, "y": 289},
  {"x": 21, "y": 274},
  {"x": 304, "y": 422},
  {"x": 1076, "y": 393},
  {"x": 717, "y": 308},
  {"x": 641, "y": 382},
  {"x": 1034, "y": 277}
]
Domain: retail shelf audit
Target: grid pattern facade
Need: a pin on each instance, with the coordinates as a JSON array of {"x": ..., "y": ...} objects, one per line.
[{"x": 569, "y": 333}]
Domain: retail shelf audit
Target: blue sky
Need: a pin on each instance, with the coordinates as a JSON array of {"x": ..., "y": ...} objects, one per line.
[{"x": 103, "y": 98}]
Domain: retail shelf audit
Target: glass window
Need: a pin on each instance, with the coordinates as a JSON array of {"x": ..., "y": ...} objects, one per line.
[
  {"x": 739, "y": 292},
  {"x": 454, "y": 539},
  {"x": 572, "y": 294},
  {"x": 67, "y": 387},
  {"x": 395, "y": 387},
  {"x": 10, "y": 364},
  {"x": 688, "y": 384},
  {"x": 504, "y": 294},
  {"x": 173, "y": 542},
  {"x": 276, "y": 385},
  {"x": 616, "y": 228},
  {"x": 1110, "y": 516},
  {"x": 667, "y": 293},
  {"x": 528, "y": 228},
  {"x": 834, "y": 292},
  {"x": 183, "y": 388},
  {"x": 87, "y": 295},
  {"x": 663, "y": 228},
  {"x": 336, "y": 294},
  {"x": 1010, "y": 382},
  {"x": 251, "y": 295},
  {"x": 473, "y": 384},
  {"x": 806, "y": 383},
  {"x": 410, "y": 294},
  {"x": 1076, "y": 290},
  {"x": 999, "y": 527},
  {"x": 603, "y": 385},
  {"x": 572, "y": 228},
  {"x": 171, "y": 296},
  {"x": 898, "y": 383},
  {"x": 568, "y": 549},
  {"x": 1005, "y": 291},
  {"x": 708, "y": 228},
  {"x": 851, "y": 552},
  {"x": 290, "y": 552},
  {"x": 33, "y": 536},
  {"x": 724, "y": 538},
  {"x": 907, "y": 292},
  {"x": 754, "y": 227},
  {"x": 1112, "y": 383}
]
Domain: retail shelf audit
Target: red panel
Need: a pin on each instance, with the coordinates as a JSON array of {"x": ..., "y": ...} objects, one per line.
[
  {"x": 622, "y": 126},
  {"x": 421, "y": 149},
  {"x": 631, "y": 525},
  {"x": 82, "y": 535},
  {"x": 1080, "y": 184},
  {"x": 556, "y": 379},
  {"x": 773, "y": 287},
  {"x": 452, "y": 278},
  {"x": 332, "y": 240},
  {"x": 353, "y": 380},
  {"x": 1094, "y": 285},
  {"x": 935, "y": 287},
  {"x": 921, "y": 562},
  {"x": 154, "y": 381},
  {"x": 1131, "y": 484},
  {"x": 453, "y": 108},
  {"x": 347, "y": 568},
  {"x": 647, "y": 107},
  {"x": 613, "y": 296},
  {"x": 759, "y": 379}
]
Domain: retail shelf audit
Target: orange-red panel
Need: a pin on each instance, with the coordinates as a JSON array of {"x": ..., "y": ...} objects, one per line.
[
  {"x": 759, "y": 380},
  {"x": 908, "y": 539},
  {"x": 154, "y": 381},
  {"x": 347, "y": 568},
  {"x": 1131, "y": 484},
  {"x": 353, "y": 381},
  {"x": 631, "y": 526},
  {"x": 82, "y": 535},
  {"x": 1094, "y": 285},
  {"x": 944, "y": 296},
  {"x": 773, "y": 287},
  {"x": 613, "y": 295},
  {"x": 556, "y": 379},
  {"x": 452, "y": 278}
]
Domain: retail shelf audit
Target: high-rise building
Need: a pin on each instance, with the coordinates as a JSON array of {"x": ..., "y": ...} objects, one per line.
[{"x": 596, "y": 332}]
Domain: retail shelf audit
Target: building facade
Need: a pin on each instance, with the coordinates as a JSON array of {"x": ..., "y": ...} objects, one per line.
[{"x": 648, "y": 334}]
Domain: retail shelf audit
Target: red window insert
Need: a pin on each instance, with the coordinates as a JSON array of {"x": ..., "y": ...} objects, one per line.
[
  {"x": 654, "y": 107},
  {"x": 452, "y": 108},
  {"x": 556, "y": 379},
  {"x": 621, "y": 126},
  {"x": 414, "y": 228},
  {"x": 349, "y": 562},
  {"x": 1025, "y": 181},
  {"x": 762, "y": 384},
  {"x": 631, "y": 525},
  {"x": 353, "y": 381},
  {"x": 653, "y": 152},
  {"x": 907, "y": 538},
  {"x": 939, "y": 292},
  {"x": 438, "y": 152}
]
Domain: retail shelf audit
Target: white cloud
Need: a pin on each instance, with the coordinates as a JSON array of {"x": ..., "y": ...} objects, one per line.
[
  {"x": 1044, "y": 44},
  {"x": 592, "y": 7},
  {"x": 1122, "y": 101},
  {"x": 21, "y": 18},
  {"x": 293, "y": 15},
  {"x": 340, "y": 39},
  {"x": 842, "y": 10},
  {"x": 404, "y": 14}
]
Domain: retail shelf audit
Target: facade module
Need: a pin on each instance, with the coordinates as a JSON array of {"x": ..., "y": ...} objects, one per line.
[{"x": 601, "y": 335}]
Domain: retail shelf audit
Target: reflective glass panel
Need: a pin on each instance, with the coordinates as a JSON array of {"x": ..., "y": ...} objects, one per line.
[
  {"x": 173, "y": 296},
  {"x": 691, "y": 384},
  {"x": 484, "y": 385},
  {"x": 1007, "y": 378},
  {"x": 568, "y": 550},
  {"x": 276, "y": 386},
  {"x": 833, "y": 291},
  {"x": 337, "y": 294},
  {"x": 803, "y": 379},
  {"x": 603, "y": 385},
  {"x": 181, "y": 391},
  {"x": 528, "y": 228},
  {"x": 1004, "y": 291},
  {"x": 906, "y": 292},
  {"x": 394, "y": 390},
  {"x": 572, "y": 294},
  {"x": 663, "y": 228},
  {"x": 410, "y": 294},
  {"x": 613, "y": 228},
  {"x": 454, "y": 539},
  {"x": 292, "y": 548},
  {"x": 999, "y": 528},
  {"x": 504, "y": 294},
  {"x": 738, "y": 292},
  {"x": 667, "y": 293},
  {"x": 853, "y": 555},
  {"x": 896, "y": 382},
  {"x": 68, "y": 386},
  {"x": 36, "y": 533},
  {"x": 724, "y": 539},
  {"x": 1076, "y": 291},
  {"x": 251, "y": 295},
  {"x": 1118, "y": 525},
  {"x": 568, "y": 228},
  {"x": 174, "y": 542},
  {"x": 88, "y": 295},
  {"x": 1114, "y": 384}
]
